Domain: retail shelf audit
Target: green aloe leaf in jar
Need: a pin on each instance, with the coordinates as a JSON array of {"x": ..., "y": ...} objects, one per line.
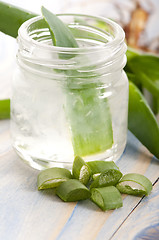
[{"x": 88, "y": 115}]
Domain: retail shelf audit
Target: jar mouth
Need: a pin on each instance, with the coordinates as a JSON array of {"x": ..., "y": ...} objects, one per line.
[
  {"x": 112, "y": 37},
  {"x": 101, "y": 47}
]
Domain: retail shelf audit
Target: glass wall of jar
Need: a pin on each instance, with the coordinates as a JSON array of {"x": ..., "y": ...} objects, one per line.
[{"x": 70, "y": 101}]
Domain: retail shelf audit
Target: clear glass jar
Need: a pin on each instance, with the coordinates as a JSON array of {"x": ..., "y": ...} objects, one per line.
[{"x": 70, "y": 101}]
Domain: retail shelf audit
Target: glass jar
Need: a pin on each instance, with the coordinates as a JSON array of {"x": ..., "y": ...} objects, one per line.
[{"x": 70, "y": 101}]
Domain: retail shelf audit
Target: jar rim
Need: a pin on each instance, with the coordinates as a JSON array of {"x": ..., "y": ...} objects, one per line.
[{"x": 119, "y": 35}]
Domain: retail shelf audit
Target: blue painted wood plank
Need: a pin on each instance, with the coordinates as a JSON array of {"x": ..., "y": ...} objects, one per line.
[
  {"x": 29, "y": 214},
  {"x": 143, "y": 223},
  {"x": 102, "y": 225}
]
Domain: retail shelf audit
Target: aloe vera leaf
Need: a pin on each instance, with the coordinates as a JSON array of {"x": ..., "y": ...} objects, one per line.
[
  {"x": 90, "y": 121},
  {"x": 11, "y": 18},
  {"x": 60, "y": 34},
  {"x": 146, "y": 81},
  {"x": 155, "y": 105},
  {"x": 146, "y": 70},
  {"x": 141, "y": 120},
  {"x": 131, "y": 53},
  {"x": 147, "y": 64},
  {"x": 72, "y": 191},
  {"x": 5, "y": 109},
  {"x": 132, "y": 77},
  {"x": 88, "y": 115}
]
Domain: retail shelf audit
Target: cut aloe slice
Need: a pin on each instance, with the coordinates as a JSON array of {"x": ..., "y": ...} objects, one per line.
[
  {"x": 107, "y": 198},
  {"x": 72, "y": 191},
  {"x": 52, "y": 177},
  {"x": 101, "y": 166},
  {"x": 81, "y": 170},
  {"x": 135, "y": 184},
  {"x": 108, "y": 178}
]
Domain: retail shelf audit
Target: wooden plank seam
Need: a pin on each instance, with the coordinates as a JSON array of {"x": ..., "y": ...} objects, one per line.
[{"x": 157, "y": 180}]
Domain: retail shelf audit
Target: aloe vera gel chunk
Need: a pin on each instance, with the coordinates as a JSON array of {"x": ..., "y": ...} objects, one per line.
[
  {"x": 69, "y": 91},
  {"x": 81, "y": 170},
  {"x": 106, "y": 188},
  {"x": 53, "y": 177},
  {"x": 104, "y": 173},
  {"x": 107, "y": 198},
  {"x": 72, "y": 191},
  {"x": 135, "y": 184}
]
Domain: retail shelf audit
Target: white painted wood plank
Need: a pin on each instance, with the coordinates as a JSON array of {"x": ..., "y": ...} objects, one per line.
[{"x": 26, "y": 213}]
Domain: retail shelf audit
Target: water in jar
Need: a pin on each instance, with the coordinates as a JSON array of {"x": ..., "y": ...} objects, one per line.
[{"x": 41, "y": 126}]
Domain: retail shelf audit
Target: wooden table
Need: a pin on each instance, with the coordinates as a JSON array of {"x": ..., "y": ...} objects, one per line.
[{"x": 28, "y": 214}]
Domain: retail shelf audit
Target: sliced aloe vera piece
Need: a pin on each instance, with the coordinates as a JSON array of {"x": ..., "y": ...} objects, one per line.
[
  {"x": 52, "y": 177},
  {"x": 101, "y": 166},
  {"x": 106, "y": 198},
  {"x": 108, "y": 178},
  {"x": 81, "y": 170},
  {"x": 72, "y": 191},
  {"x": 135, "y": 184}
]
